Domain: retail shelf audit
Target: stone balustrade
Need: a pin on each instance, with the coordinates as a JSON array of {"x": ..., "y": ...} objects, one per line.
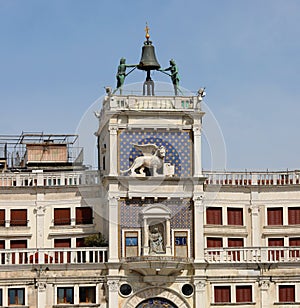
[
  {"x": 53, "y": 256},
  {"x": 252, "y": 255},
  {"x": 252, "y": 178},
  {"x": 63, "y": 178}
]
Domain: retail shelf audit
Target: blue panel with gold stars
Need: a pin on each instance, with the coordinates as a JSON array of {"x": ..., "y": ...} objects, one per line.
[{"x": 178, "y": 148}]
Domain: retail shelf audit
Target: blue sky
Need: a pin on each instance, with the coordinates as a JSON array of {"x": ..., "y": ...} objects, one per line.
[{"x": 56, "y": 56}]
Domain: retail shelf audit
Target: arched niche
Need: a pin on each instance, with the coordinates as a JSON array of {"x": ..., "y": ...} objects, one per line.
[{"x": 156, "y": 229}]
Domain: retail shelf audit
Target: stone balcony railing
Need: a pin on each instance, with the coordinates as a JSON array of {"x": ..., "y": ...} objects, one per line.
[
  {"x": 63, "y": 178},
  {"x": 252, "y": 178},
  {"x": 252, "y": 255},
  {"x": 53, "y": 256}
]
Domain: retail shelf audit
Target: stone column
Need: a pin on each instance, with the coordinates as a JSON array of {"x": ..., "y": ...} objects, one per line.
[
  {"x": 200, "y": 294},
  {"x": 197, "y": 150},
  {"x": 113, "y": 288},
  {"x": 113, "y": 214},
  {"x": 199, "y": 228},
  {"x": 113, "y": 150},
  {"x": 264, "y": 293}
]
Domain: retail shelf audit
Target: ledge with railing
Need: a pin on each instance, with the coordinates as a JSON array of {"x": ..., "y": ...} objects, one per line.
[
  {"x": 63, "y": 178},
  {"x": 252, "y": 178},
  {"x": 86, "y": 255},
  {"x": 252, "y": 255}
]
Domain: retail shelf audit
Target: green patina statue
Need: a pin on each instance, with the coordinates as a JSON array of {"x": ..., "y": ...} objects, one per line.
[
  {"x": 121, "y": 74},
  {"x": 174, "y": 75}
]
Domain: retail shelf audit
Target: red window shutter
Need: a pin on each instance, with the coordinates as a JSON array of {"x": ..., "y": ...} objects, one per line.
[
  {"x": 16, "y": 244},
  {"x": 2, "y": 244},
  {"x": 62, "y": 216},
  {"x": 243, "y": 294},
  {"x": 276, "y": 242},
  {"x": 235, "y": 242},
  {"x": 287, "y": 294},
  {"x": 294, "y": 215},
  {"x": 214, "y": 242},
  {"x": 275, "y": 216},
  {"x": 18, "y": 217},
  {"x": 294, "y": 241},
  {"x": 62, "y": 243},
  {"x": 2, "y": 218},
  {"x": 222, "y": 294},
  {"x": 84, "y": 215},
  {"x": 214, "y": 216},
  {"x": 80, "y": 242},
  {"x": 235, "y": 216}
]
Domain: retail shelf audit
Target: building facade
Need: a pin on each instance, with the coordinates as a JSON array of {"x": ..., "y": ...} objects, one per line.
[{"x": 150, "y": 228}]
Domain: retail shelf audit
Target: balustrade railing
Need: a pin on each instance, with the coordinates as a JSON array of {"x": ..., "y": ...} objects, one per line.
[
  {"x": 252, "y": 178},
  {"x": 53, "y": 256},
  {"x": 49, "y": 179},
  {"x": 252, "y": 255}
]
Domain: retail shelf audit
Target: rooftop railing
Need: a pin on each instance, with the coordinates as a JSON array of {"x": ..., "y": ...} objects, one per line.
[
  {"x": 63, "y": 178},
  {"x": 252, "y": 178}
]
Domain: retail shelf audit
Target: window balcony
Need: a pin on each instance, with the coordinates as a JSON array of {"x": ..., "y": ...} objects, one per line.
[
  {"x": 93, "y": 255},
  {"x": 253, "y": 255}
]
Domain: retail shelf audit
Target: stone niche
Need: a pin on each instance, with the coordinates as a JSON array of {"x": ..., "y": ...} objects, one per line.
[{"x": 156, "y": 230}]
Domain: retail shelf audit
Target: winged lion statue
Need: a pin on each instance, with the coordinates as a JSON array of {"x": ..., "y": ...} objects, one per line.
[{"x": 153, "y": 158}]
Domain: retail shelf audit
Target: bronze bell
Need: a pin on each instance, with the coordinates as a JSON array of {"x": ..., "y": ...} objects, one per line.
[{"x": 148, "y": 60}]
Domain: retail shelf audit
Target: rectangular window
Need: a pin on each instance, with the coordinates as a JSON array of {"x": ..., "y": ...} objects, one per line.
[
  {"x": 87, "y": 294},
  {"x": 16, "y": 296},
  {"x": 294, "y": 242},
  {"x": 2, "y": 255},
  {"x": 294, "y": 215},
  {"x": 181, "y": 244},
  {"x": 287, "y": 294},
  {"x": 275, "y": 254},
  {"x": 214, "y": 242},
  {"x": 1, "y": 296},
  {"x": 131, "y": 244},
  {"x": 61, "y": 256},
  {"x": 19, "y": 257},
  {"x": 214, "y": 216},
  {"x": 84, "y": 215},
  {"x": 235, "y": 242},
  {"x": 275, "y": 216},
  {"x": 2, "y": 218},
  {"x": 222, "y": 294},
  {"x": 18, "y": 218},
  {"x": 65, "y": 295},
  {"x": 62, "y": 217},
  {"x": 235, "y": 216},
  {"x": 244, "y": 294}
]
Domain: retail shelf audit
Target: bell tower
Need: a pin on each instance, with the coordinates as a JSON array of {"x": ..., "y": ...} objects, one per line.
[{"x": 150, "y": 162}]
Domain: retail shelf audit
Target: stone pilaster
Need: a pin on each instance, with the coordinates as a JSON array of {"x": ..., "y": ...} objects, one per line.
[
  {"x": 113, "y": 288},
  {"x": 197, "y": 150},
  {"x": 113, "y": 212},
  {"x": 199, "y": 228},
  {"x": 113, "y": 150},
  {"x": 200, "y": 293},
  {"x": 264, "y": 285}
]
